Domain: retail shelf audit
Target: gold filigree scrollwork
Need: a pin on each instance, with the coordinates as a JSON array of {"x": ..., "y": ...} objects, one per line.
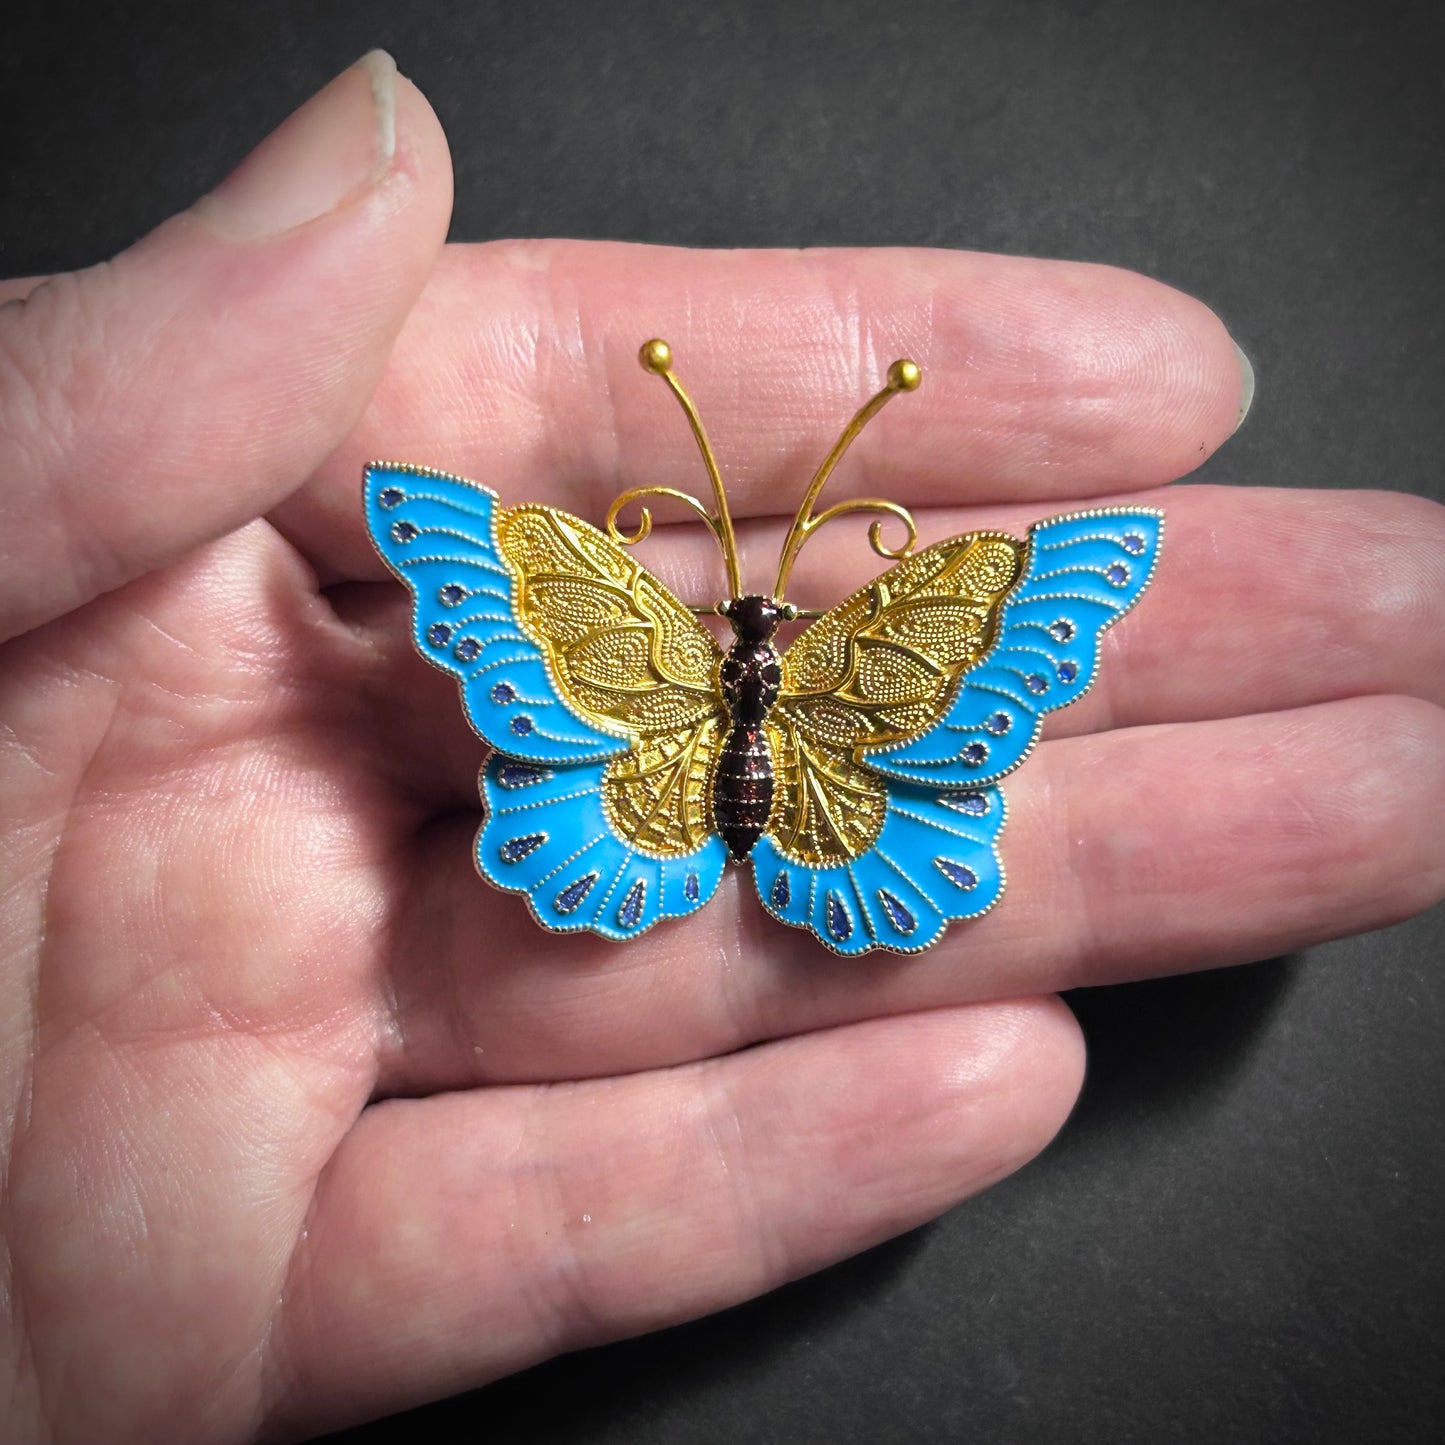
[
  {"x": 875, "y": 529},
  {"x": 656, "y": 357},
  {"x": 902, "y": 376},
  {"x": 645, "y": 515}
]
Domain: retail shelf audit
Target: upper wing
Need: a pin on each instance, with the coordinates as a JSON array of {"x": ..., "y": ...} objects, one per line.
[
  {"x": 881, "y": 667},
  {"x": 623, "y": 651},
  {"x": 1084, "y": 571},
  {"x": 566, "y": 649}
]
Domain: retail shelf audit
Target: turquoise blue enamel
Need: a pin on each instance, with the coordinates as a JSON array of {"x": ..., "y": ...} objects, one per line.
[
  {"x": 1084, "y": 572},
  {"x": 545, "y": 835},
  {"x": 936, "y": 860},
  {"x": 436, "y": 533}
]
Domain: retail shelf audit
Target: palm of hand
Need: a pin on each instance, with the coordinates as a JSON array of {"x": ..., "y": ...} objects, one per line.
[{"x": 284, "y": 1150}]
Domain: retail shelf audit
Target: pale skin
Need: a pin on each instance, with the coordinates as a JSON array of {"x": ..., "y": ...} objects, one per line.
[{"x": 305, "y": 1123}]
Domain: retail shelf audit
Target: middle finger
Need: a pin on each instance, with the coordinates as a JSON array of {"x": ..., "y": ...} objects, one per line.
[
  {"x": 1043, "y": 379},
  {"x": 1263, "y": 600}
]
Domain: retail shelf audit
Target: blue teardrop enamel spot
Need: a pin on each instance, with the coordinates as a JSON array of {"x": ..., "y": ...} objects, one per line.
[
  {"x": 570, "y": 898},
  {"x": 898, "y": 915},
  {"x": 515, "y": 849},
  {"x": 956, "y": 873},
  {"x": 631, "y": 909}
]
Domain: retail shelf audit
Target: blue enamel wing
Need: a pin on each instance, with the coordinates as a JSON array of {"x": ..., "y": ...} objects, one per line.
[{"x": 856, "y": 769}]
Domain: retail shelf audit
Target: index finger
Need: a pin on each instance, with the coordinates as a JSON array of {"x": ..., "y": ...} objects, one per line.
[{"x": 1042, "y": 380}]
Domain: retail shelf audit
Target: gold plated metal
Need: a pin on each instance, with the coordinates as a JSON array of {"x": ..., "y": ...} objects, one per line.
[
  {"x": 879, "y": 667},
  {"x": 903, "y": 375},
  {"x": 656, "y": 357},
  {"x": 829, "y": 807},
  {"x": 628, "y": 657},
  {"x": 656, "y": 795},
  {"x": 622, "y": 652}
]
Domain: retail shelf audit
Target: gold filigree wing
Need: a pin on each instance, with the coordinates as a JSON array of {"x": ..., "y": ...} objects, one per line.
[
  {"x": 827, "y": 806},
  {"x": 657, "y": 794},
  {"x": 881, "y": 667},
  {"x": 623, "y": 652}
]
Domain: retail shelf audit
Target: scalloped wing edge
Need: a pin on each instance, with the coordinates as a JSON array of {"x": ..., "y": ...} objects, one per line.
[
  {"x": 464, "y": 619},
  {"x": 546, "y": 836},
  {"x": 936, "y": 862},
  {"x": 1038, "y": 661}
]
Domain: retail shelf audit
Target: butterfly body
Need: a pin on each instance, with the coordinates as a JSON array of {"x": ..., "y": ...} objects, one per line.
[
  {"x": 750, "y": 677},
  {"x": 856, "y": 771}
]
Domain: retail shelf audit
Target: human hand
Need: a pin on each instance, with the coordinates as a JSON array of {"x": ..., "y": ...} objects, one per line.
[{"x": 306, "y": 1123}]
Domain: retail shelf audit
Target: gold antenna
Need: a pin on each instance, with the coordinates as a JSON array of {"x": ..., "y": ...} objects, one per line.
[
  {"x": 902, "y": 376},
  {"x": 656, "y": 357}
]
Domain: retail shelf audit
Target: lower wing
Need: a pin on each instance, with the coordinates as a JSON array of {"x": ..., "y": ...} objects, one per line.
[
  {"x": 934, "y": 861},
  {"x": 548, "y": 837}
]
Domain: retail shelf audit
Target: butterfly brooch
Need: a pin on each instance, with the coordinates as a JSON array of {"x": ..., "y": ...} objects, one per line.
[{"x": 857, "y": 769}]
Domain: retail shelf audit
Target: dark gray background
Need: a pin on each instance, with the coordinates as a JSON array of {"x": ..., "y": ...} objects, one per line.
[{"x": 1237, "y": 1236}]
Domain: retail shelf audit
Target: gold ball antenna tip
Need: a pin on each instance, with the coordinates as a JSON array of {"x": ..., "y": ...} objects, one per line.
[
  {"x": 904, "y": 375},
  {"x": 655, "y": 356}
]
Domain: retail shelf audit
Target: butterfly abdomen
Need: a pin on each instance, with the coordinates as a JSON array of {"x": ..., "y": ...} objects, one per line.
[
  {"x": 742, "y": 790},
  {"x": 750, "y": 677}
]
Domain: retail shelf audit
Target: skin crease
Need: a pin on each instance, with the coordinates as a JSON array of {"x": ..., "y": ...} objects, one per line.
[{"x": 304, "y": 1123}]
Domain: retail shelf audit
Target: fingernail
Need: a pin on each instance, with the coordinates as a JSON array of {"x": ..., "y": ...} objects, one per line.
[
  {"x": 1246, "y": 386},
  {"x": 339, "y": 143}
]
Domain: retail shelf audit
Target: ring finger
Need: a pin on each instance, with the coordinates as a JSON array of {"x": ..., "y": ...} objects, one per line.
[{"x": 1129, "y": 853}]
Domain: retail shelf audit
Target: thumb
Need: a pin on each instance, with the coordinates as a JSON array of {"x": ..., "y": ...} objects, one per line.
[{"x": 164, "y": 398}]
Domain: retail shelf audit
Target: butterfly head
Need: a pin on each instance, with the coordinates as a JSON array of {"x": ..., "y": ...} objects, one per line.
[
  {"x": 755, "y": 618},
  {"x": 750, "y": 613}
]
